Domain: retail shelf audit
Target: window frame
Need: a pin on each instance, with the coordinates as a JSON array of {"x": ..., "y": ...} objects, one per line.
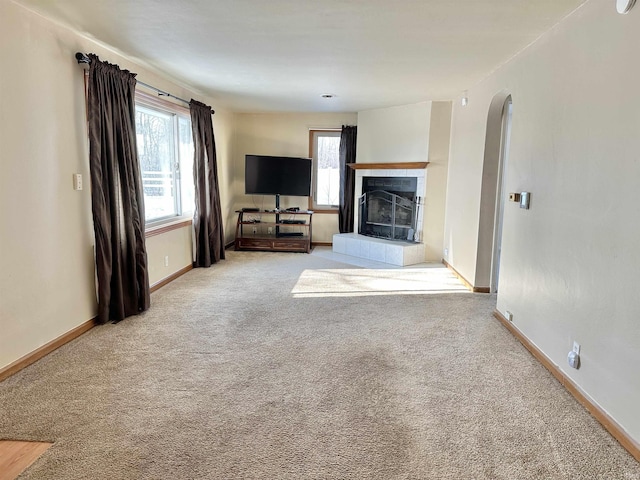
[
  {"x": 313, "y": 134},
  {"x": 152, "y": 102}
]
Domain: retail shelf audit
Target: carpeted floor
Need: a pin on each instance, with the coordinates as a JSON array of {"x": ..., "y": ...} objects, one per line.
[{"x": 265, "y": 367}]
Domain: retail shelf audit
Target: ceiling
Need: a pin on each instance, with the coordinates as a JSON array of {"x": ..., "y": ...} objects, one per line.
[{"x": 282, "y": 55}]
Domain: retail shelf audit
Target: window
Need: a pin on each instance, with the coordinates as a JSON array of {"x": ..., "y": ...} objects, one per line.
[
  {"x": 165, "y": 152},
  {"x": 325, "y": 151}
]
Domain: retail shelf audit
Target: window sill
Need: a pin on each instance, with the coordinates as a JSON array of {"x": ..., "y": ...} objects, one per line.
[{"x": 167, "y": 226}]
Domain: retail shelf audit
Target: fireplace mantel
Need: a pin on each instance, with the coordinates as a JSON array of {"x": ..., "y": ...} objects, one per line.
[{"x": 388, "y": 166}]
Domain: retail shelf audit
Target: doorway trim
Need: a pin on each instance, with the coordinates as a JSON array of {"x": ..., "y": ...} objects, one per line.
[
  {"x": 489, "y": 192},
  {"x": 505, "y": 141}
]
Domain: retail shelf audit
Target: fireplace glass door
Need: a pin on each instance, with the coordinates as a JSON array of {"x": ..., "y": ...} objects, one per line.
[{"x": 387, "y": 215}]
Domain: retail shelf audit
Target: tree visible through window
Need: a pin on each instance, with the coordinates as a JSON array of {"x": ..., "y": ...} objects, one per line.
[{"x": 326, "y": 168}]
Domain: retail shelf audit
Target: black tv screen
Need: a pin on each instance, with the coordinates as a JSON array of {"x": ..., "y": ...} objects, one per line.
[{"x": 267, "y": 175}]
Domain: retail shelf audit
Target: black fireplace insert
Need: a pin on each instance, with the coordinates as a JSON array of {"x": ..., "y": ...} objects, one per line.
[{"x": 388, "y": 208}]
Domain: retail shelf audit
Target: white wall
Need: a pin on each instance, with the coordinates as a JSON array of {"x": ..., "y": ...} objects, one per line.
[
  {"x": 46, "y": 232},
  {"x": 412, "y": 133},
  {"x": 434, "y": 206},
  {"x": 569, "y": 265},
  {"x": 284, "y": 134},
  {"x": 395, "y": 134},
  {"x": 223, "y": 128},
  {"x": 176, "y": 245}
]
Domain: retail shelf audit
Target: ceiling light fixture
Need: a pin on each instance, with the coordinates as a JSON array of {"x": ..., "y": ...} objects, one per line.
[
  {"x": 327, "y": 95},
  {"x": 623, "y": 6}
]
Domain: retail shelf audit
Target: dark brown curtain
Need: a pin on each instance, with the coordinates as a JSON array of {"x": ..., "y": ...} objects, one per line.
[
  {"x": 207, "y": 219},
  {"x": 347, "y": 178},
  {"x": 116, "y": 193}
]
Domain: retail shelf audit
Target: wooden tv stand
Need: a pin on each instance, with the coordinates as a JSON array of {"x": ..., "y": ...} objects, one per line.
[{"x": 275, "y": 231}]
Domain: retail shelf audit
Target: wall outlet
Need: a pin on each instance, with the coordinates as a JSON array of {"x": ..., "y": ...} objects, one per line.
[
  {"x": 255, "y": 230},
  {"x": 166, "y": 261},
  {"x": 509, "y": 316},
  {"x": 574, "y": 360},
  {"x": 269, "y": 230},
  {"x": 574, "y": 356},
  {"x": 446, "y": 252},
  {"x": 77, "y": 181}
]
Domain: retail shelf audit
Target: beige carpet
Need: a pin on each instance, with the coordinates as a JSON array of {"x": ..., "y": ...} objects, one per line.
[{"x": 258, "y": 369}]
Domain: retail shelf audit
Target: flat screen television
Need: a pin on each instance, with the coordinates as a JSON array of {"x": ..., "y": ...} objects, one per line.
[{"x": 269, "y": 175}]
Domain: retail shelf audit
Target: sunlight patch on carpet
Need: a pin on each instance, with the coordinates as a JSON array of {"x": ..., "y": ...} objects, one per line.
[{"x": 365, "y": 282}]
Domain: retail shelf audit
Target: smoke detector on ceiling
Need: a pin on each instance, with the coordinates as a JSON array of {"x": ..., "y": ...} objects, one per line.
[{"x": 623, "y": 6}]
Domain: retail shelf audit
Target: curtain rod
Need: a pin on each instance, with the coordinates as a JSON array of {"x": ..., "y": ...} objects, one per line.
[{"x": 82, "y": 58}]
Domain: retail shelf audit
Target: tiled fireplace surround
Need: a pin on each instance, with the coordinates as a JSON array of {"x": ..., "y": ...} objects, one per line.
[{"x": 377, "y": 249}]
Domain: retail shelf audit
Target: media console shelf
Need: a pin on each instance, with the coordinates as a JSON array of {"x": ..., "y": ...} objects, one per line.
[{"x": 276, "y": 231}]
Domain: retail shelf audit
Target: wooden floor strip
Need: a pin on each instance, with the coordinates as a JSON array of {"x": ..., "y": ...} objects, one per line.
[{"x": 16, "y": 456}]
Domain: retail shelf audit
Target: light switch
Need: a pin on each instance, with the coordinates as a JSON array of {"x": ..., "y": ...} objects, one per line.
[
  {"x": 77, "y": 181},
  {"x": 525, "y": 198}
]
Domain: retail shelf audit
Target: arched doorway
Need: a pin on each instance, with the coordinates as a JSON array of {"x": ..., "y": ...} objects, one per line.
[{"x": 493, "y": 194}]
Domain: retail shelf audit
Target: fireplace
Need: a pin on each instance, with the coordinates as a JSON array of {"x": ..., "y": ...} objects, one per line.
[
  {"x": 388, "y": 208},
  {"x": 380, "y": 248}
]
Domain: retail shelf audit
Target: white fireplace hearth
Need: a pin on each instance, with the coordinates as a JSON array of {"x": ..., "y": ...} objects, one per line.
[
  {"x": 378, "y": 250},
  {"x": 394, "y": 252}
]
